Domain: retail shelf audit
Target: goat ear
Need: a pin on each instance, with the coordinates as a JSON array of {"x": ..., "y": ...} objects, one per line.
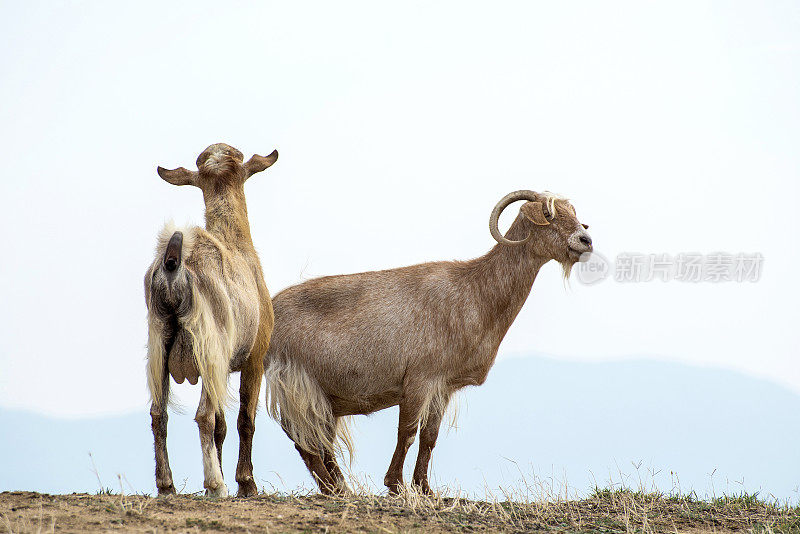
[
  {"x": 259, "y": 163},
  {"x": 179, "y": 176},
  {"x": 535, "y": 212}
]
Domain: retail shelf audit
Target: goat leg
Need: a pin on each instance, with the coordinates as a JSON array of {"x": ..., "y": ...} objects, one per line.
[
  {"x": 220, "y": 430},
  {"x": 316, "y": 466},
  {"x": 427, "y": 441},
  {"x": 329, "y": 460},
  {"x": 212, "y": 472},
  {"x": 249, "y": 388},
  {"x": 158, "y": 416},
  {"x": 410, "y": 408}
]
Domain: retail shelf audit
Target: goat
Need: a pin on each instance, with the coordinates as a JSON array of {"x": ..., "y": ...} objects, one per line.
[
  {"x": 209, "y": 314},
  {"x": 359, "y": 343}
]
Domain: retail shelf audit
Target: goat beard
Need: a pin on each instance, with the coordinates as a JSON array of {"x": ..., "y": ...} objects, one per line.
[{"x": 566, "y": 267}]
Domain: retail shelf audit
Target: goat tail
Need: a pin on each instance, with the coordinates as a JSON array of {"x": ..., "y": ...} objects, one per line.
[
  {"x": 174, "y": 251},
  {"x": 296, "y": 400}
]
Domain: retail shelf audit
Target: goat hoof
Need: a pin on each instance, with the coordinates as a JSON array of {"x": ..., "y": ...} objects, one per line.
[
  {"x": 218, "y": 492},
  {"x": 167, "y": 490},
  {"x": 247, "y": 489},
  {"x": 342, "y": 490},
  {"x": 423, "y": 487},
  {"x": 394, "y": 487},
  {"x": 327, "y": 490}
]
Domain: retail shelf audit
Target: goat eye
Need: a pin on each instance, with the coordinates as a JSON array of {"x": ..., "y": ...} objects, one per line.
[{"x": 585, "y": 226}]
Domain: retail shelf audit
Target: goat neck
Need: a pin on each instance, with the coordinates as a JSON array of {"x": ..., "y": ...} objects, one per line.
[
  {"x": 504, "y": 276},
  {"x": 226, "y": 215}
]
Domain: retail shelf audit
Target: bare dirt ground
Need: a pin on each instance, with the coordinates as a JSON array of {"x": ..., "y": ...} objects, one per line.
[{"x": 605, "y": 511}]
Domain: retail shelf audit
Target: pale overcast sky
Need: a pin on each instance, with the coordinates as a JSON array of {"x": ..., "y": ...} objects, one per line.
[{"x": 673, "y": 127}]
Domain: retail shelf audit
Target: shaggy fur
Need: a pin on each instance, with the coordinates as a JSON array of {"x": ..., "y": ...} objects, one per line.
[
  {"x": 296, "y": 400},
  {"x": 214, "y": 314},
  {"x": 355, "y": 344}
]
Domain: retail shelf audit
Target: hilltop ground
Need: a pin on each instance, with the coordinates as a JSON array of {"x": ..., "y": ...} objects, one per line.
[{"x": 604, "y": 511}]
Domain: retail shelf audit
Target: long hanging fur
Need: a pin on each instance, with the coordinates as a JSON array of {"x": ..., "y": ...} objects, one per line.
[
  {"x": 156, "y": 359},
  {"x": 437, "y": 401},
  {"x": 210, "y": 345},
  {"x": 297, "y": 402}
]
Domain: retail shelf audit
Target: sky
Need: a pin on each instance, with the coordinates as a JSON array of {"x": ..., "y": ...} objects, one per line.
[{"x": 673, "y": 128}]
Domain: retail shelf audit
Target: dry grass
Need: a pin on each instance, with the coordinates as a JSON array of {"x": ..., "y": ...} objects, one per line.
[
  {"x": 534, "y": 505},
  {"x": 607, "y": 510}
]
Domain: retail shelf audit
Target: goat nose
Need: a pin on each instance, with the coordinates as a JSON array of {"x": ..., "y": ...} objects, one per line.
[{"x": 586, "y": 240}]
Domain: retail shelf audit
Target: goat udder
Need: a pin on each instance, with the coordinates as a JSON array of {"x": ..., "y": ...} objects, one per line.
[
  {"x": 176, "y": 370},
  {"x": 182, "y": 367}
]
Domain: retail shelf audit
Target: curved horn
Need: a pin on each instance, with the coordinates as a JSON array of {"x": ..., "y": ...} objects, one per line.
[{"x": 522, "y": 194}]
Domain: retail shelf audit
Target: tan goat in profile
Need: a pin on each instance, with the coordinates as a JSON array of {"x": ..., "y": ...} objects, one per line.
[
  {"x": 358, "y": 343},
  {"x": 209, "y": 314}
]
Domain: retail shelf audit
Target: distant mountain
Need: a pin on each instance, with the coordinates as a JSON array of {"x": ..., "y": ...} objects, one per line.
[{"x": 543, "y": 420}]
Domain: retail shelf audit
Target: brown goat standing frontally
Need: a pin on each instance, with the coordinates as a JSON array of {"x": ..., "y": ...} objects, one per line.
[
  {"x": 355, "y": 344},
  {"x": 209, "y": 314}
]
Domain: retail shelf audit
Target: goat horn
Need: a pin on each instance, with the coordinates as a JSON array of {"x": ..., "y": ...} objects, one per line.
[{"x": 522, "y": 194}]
